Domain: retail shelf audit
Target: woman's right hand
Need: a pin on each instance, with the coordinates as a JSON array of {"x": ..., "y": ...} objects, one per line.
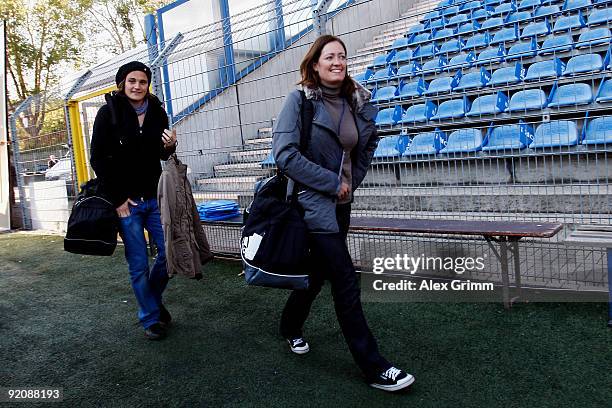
[
  {"x": 344, "y": 192},
  {"x": 124, "y": 209}
]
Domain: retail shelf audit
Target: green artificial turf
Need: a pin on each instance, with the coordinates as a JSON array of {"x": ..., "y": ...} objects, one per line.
[{"x": 70, "y": 321}]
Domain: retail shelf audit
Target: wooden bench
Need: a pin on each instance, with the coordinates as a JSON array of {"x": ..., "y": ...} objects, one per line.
[
  {"x": 596, "y": 236},
  {"x": 504, "y": 233}
]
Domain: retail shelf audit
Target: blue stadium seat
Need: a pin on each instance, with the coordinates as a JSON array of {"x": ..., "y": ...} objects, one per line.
[
  {"x": 505, "y": 8},
  {"x": 389, "y": 116},
  {"x": 402, "y": 56},
  {"x": 444, "y": 33},
  {"x": 419, "y": 38},
  {"x": 364, "y": 76},
  {"x": 600, "y": 16},
  {"x": 439, "y": 23},
  {"x": 509, "y": 137},
  {"x": 505, "y": 35},
  {"x": 417, "y": 28},
  {"x": 419, "y": 113},
  {"x": 464, "y": 141},
  {"x": 489, "y": 105},
  {"x": 543, "y": 11},
  {"x": 528, "y": 100},
  {"x": 584, "y": 63},
  {"x": 492, "y": 23},
  {"x": 483, "y": 13},
  {"x": 426, "y": 143},
  {"x": 443, "y": 4},
  {"x": 382, "y": 60},
  {"x": 449, "y": 11},
  {"x": 571, "y": 94},
  {"x": 545, "y": 69},
  {"x": 491, "y": 55},
  {"x": 536, "y": 29},
  {"x": 462, "y": 60},
  {"x": 598, "y": 131},
  {"x": 523, "y": 49},
  {"x": 434, "y": 65},
  {"x": 413, "y": 89},
  {"x": 477, "y": 41},
  {"x": 385, "y": 93},
  {"x": 408, "y": 70},
  {"x": 518, "y": 16},
  {"x": 468, "y": 27},
  {"x": 268, "y": 161},
  {"x": 555, "y": 133},
  {"x": 443, "y": 84},
  {"x": 391, "y": 146},
  {"x": 401, "y": 42},
  {"x": 596, "y": 36},
  {"x": 455, "y": 108},
  {"x": 431, "y": 15},
  {"x": 599, "y": 3},
  {"x": 605, "y": 92},
  {"x": 571, "y": 22},
  {"x": 473, "y": 80},
  {"x": 529, "y": 4},
  {"x": 471, "y": 5},
  {"x": 457, "y": 20},
  {"x": 493, "y": 2},
  {"x": 576, "y": 4},
  {"x": 382, "y": 74},
  {"x": 508, "y": 75},
  {"x": 559, "y": 43},
  {"x": 451, "y": 47},
  {"x": 426, "y": 50}
]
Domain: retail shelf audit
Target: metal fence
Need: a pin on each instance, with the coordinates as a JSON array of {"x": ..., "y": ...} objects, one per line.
[{"x": 224, "y": 81}]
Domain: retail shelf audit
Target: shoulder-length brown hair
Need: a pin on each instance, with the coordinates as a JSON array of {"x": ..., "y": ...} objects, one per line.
[{"x": 310, "y": 78}]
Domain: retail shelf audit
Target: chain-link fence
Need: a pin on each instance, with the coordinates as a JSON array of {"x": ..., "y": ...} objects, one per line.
[{"x": 489, "y": 110}]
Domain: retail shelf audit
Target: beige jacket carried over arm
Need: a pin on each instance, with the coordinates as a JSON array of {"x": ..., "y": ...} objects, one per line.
[{"x": 186, "y": 243}]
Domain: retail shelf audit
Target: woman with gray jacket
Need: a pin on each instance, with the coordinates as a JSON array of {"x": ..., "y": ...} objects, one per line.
[{"x": 342, "y": 141}]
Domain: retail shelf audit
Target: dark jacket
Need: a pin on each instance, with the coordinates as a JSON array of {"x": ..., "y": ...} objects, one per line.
[
  {"x": 320, "y": 172},
  {"x": 125, "y": 156},
  {"x": 186, "y": 243}
]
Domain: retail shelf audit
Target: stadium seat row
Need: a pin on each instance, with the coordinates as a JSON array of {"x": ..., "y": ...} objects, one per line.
[
  {"x": 493, "y": 104},
  {"x": 556, "y": 133}
]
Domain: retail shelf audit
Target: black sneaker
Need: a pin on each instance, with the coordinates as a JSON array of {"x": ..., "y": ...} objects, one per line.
[
  {"x": 164, "y": 316},
  {"x": 298, "y": 345},
  {"x": 392, "y": 379},
  {"x": 155, "y": 332}
]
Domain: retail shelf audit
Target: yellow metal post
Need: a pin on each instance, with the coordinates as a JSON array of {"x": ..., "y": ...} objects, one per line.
[{"x": 77, "y": 142}]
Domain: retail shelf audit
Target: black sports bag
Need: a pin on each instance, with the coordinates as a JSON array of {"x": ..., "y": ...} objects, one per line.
[{"x": 93, "y": 223}]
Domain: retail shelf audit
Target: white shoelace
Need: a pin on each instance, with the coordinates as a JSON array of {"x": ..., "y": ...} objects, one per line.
[
  {"x": 295, "y": 342},
  {"x": 392, "y": 373}
]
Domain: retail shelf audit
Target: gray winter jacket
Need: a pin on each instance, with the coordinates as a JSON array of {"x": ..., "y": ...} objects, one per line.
[{"x": 320, "y": 176}]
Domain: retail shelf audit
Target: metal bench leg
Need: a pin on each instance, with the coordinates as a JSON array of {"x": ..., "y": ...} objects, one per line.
[
  {"x": 503, "y": 252},
  {"x": 609, "y": 287},
  {"x": 517, "y": 270}
]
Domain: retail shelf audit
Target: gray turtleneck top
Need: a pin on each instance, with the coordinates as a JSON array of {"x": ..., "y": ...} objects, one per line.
[{"x": 348, "y": 135}]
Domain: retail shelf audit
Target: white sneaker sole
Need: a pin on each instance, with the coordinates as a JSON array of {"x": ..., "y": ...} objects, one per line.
[
  {"x": 302, "y": 350},
  {"x": 406, "y": 382}
]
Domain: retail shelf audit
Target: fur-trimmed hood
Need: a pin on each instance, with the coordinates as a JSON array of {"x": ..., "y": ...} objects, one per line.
[{"x": 361, "y": 96}]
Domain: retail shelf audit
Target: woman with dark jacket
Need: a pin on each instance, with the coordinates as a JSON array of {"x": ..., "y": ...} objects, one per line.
[
  {"x": 342, "y": 141},
  {"x": 130, "y": 136}
]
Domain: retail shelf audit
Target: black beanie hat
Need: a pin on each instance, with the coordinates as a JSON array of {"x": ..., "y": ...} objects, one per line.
[{"x": 125, "y": 69}]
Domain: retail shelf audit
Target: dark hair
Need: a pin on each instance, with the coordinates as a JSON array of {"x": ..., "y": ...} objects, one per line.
[{"x": 310, "y": 78}]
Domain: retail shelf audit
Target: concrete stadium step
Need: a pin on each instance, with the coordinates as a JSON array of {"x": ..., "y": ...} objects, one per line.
[
  {"x": 200, "y": 196},
  {"x": 258, "y": 143},
  {"x": 227, "y": 184},
  {"x": 240, "y": 169},
  {"x": 249, "y": 156}
]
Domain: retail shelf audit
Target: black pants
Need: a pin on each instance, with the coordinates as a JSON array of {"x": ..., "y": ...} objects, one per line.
[{"x": 332, "y": 261}]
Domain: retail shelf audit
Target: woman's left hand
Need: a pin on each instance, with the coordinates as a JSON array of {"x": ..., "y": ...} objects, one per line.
[{"x": 169, "y": 138}]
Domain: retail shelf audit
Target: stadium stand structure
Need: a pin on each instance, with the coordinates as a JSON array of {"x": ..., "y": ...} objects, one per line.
[{"x": 493, "y": 86}]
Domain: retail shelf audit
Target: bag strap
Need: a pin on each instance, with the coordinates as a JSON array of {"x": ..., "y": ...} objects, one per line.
[{"x": 306, "y": 115}]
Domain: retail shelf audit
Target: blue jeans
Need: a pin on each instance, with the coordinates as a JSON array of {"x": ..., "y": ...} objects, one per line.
[{"x": 148, "y": 284}]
